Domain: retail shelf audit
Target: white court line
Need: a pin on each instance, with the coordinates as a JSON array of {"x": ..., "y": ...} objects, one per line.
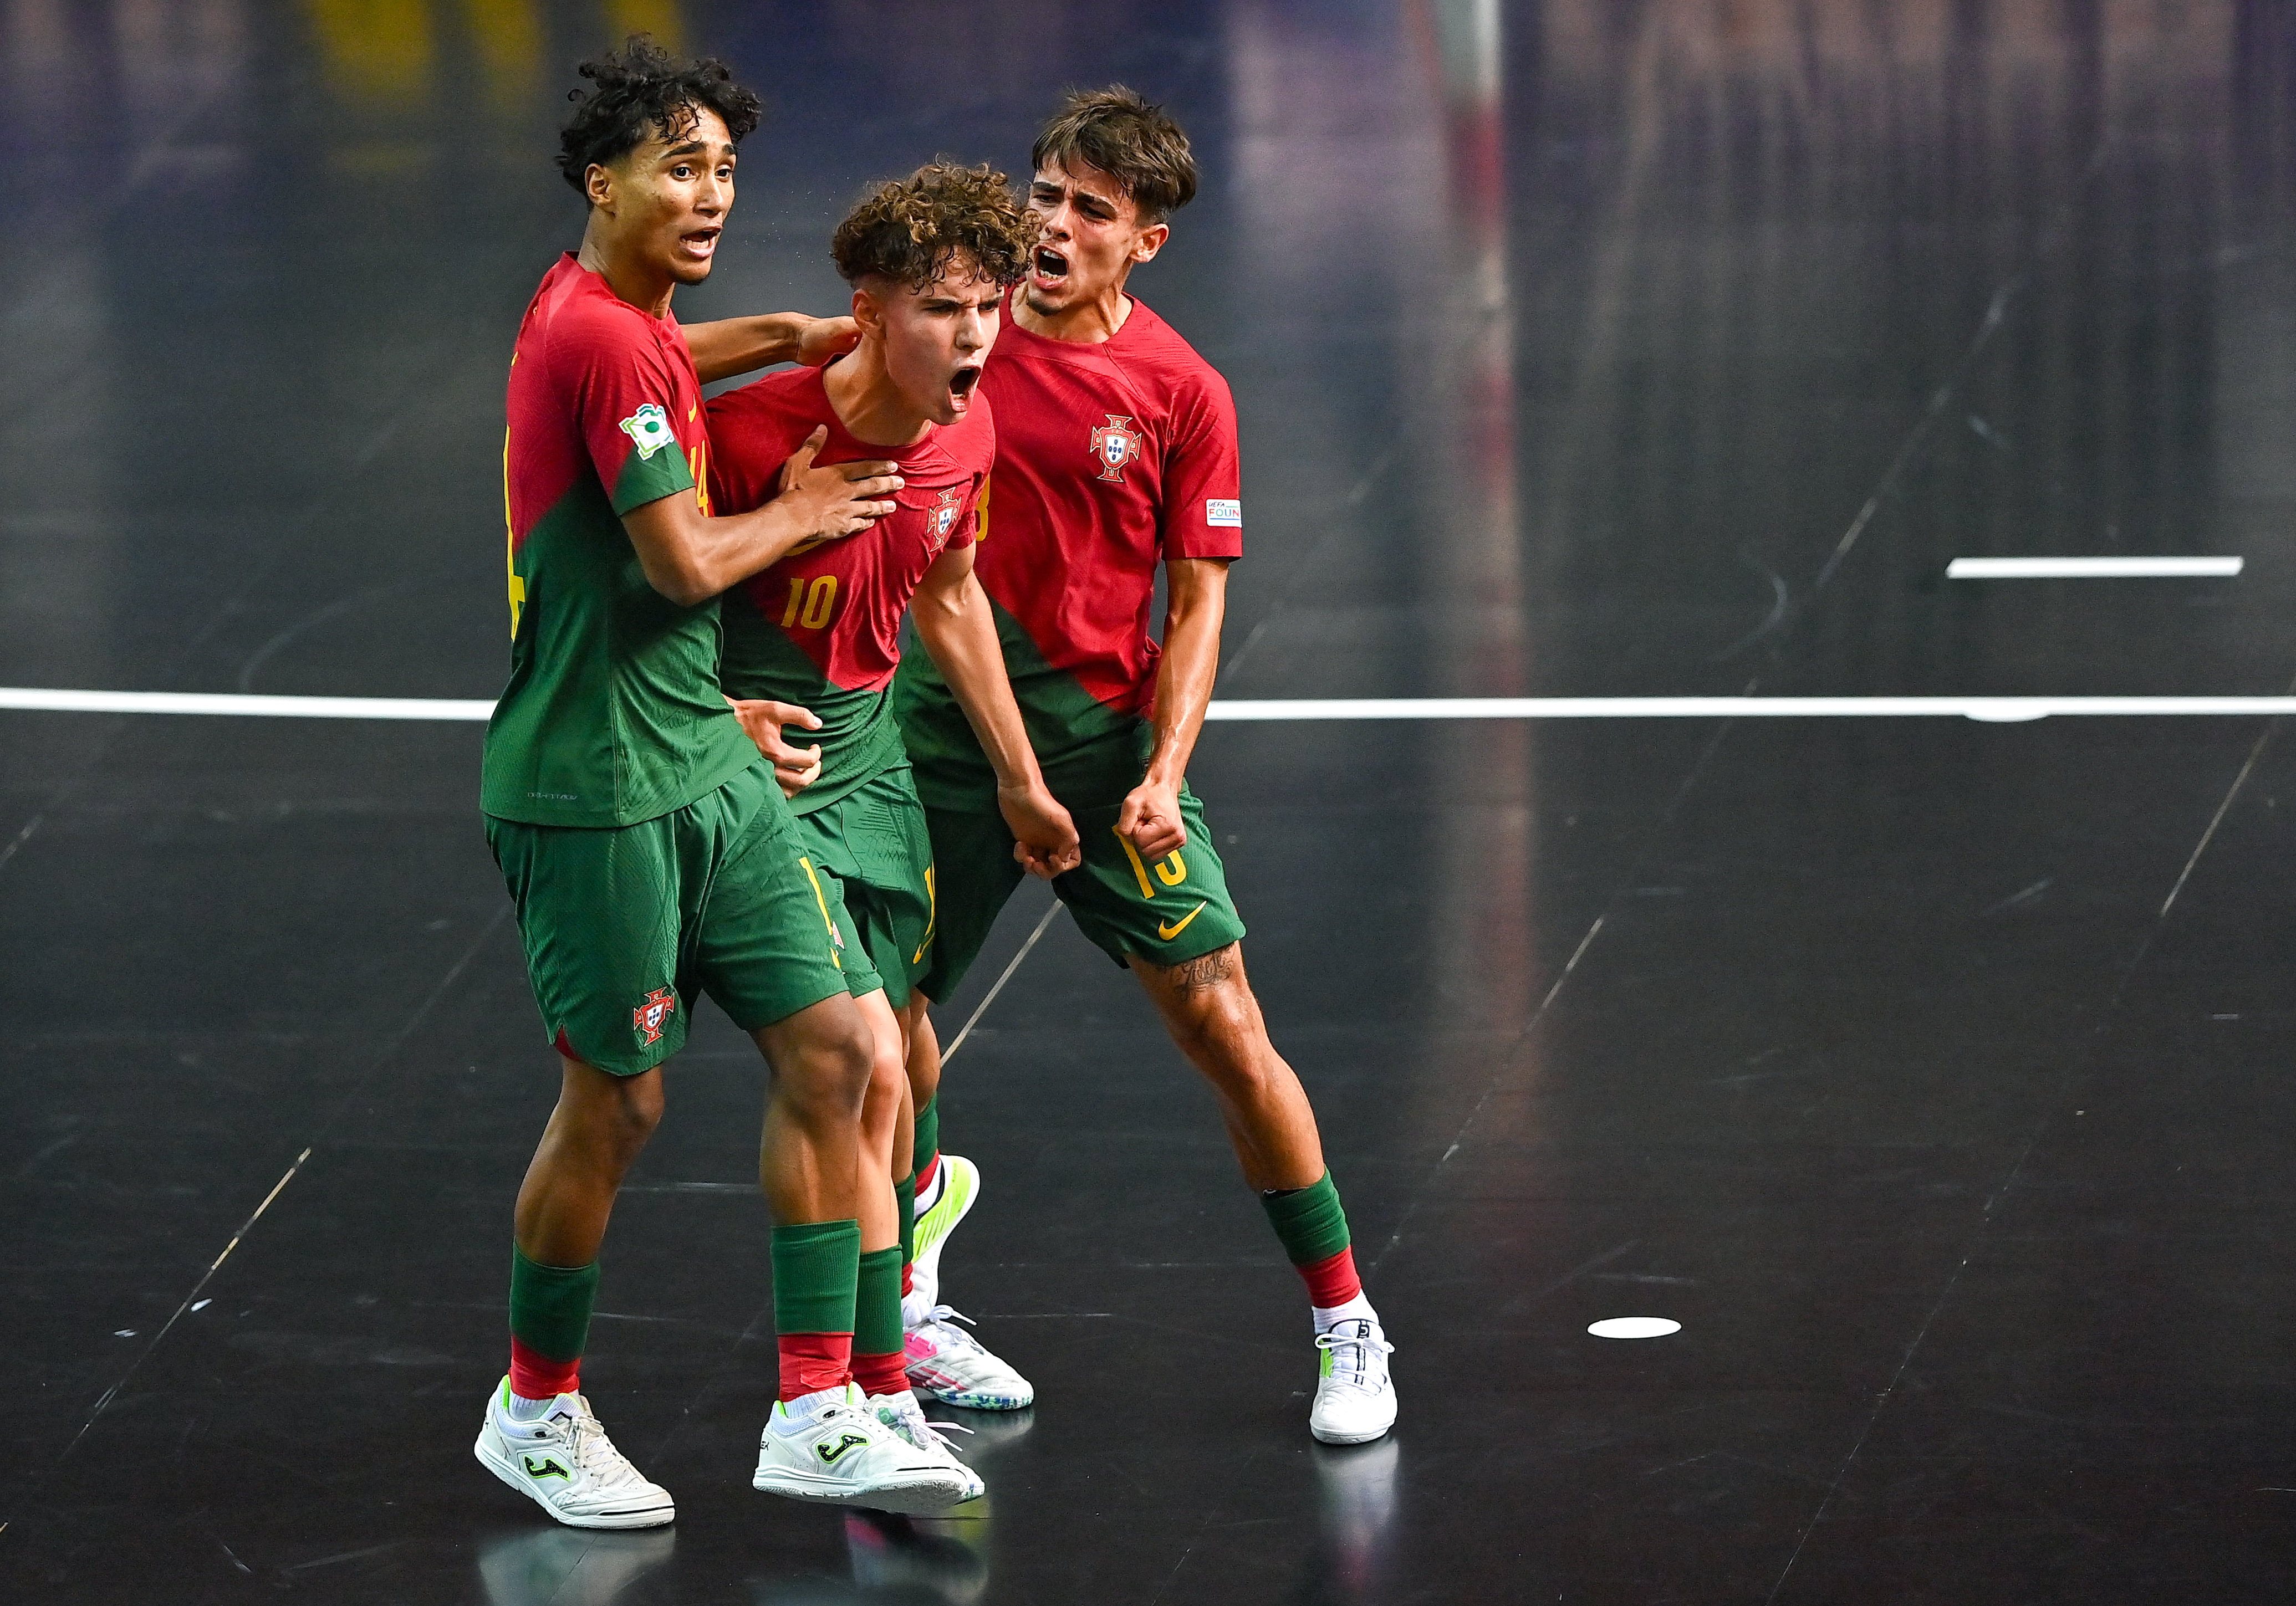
[
  {"x": 41, "y": 697},
  {"x": 1992, "y": 710},
  {"x": 2089, "y": 568},
  {"x": 2003, "y": 710}
]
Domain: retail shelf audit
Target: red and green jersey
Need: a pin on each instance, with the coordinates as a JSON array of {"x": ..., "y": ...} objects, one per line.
[
  {"x": 1111, "y": 457},
  {"x": 612, "y": 714},
  {"x": 823, "y": 629}
]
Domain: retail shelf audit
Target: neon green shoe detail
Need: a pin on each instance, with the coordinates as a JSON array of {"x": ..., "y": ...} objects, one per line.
[{"x": 958, "y": 1193}]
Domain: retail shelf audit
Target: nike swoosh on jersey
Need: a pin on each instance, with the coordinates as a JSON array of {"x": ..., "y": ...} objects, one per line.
[{"x": 1179, "y": 925}]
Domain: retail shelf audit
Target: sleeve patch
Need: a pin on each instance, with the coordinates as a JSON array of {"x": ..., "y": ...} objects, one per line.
[
  {"x": 649, "y": 428},
  {"x": 1218, "y": 512}
]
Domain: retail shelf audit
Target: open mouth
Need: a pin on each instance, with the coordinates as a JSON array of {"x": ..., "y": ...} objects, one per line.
[
  {"x": 961, "y": 385},
  {"x": 701, "y": 243},
  {"x": 1051, "y": 267}
]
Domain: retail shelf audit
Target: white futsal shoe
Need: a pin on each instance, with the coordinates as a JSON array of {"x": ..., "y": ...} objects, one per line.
[
  {"x": 564, "y": 1462},
  {"x": 840, "y": 1451},
  {"x": 948, "y": 1364},
  {"x": 959, "y": 1185},
  {"x": 1355, "y": 1397},
  {"x": 902, "y": 1414}
]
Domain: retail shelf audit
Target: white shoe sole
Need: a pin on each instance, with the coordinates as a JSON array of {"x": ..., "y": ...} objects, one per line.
[
  {"x": 927, "y": 1495},
  {"x": 968, "y": 1399},
  {"x": 650, "y": 1516},
  {"x": 1326, "y": 1436}
]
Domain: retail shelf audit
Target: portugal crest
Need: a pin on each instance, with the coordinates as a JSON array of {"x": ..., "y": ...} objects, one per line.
[
  {"x": 940, "y": 520},
  {"x": 658, "y": 1007},
  {"x": 1115, "y": 443}
]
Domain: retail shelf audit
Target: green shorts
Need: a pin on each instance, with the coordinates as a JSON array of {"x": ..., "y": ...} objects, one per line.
[
  {"x": 623, "y": 924},
  {"x": 874, "y": 859},
  {"x": 1166, "y": 912}
]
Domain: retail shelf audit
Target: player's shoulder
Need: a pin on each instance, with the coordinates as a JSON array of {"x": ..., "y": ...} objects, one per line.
[
  {"x": 579, "y": 317},
  {"x": 1178, "y": 368},
  {"x": 786, "y": 396}
]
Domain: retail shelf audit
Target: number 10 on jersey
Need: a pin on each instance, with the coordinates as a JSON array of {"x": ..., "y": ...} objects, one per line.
[{"x": 810, "y": 604}]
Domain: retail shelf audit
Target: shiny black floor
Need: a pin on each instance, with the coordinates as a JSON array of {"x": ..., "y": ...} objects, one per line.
[{"x": 1935, "y": 1075}]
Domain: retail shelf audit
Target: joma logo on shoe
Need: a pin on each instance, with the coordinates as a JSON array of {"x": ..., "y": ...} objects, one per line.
[
  {"x": 831, "y": 1454},
  {"x": 547, "y": 1468}
]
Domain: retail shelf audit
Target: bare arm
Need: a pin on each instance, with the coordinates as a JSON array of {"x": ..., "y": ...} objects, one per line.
[
  {"x": 954, "y": 622},
  {"x": 690, "y": 557},
  {"x": 732, "y": 346},
  {"x": 1196, "y": 589}
]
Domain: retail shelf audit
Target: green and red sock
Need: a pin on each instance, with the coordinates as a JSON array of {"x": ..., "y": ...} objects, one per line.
[
  {"x": 905, "y": 1211},
  {"x": 550, "y": 1310},
  {"x": 879, "y": 1366},
  {"x": 1313, "y": 1229},
  {"x": 925, "y": 1155},
  {"x": 816, "y": 1274}
]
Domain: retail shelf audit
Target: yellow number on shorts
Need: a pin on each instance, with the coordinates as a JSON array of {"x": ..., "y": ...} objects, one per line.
[
  {"x": 822, "y": 900},
  {"x": 933, "y": 917},
  {"x": 1171, "y": 868}
]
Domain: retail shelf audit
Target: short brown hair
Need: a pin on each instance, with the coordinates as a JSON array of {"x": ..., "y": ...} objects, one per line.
[
  {"x": 911, "y": 230},
  {"x": 1127, "y": 136}
]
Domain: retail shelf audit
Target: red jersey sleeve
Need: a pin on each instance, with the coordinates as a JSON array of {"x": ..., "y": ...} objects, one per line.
[
  {"x": 625, "y": 404},
  {"x": 1203, "y": 474}
]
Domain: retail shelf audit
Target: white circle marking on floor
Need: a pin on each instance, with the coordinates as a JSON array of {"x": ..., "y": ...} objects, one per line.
[{"x": 1635, "y": 1327}]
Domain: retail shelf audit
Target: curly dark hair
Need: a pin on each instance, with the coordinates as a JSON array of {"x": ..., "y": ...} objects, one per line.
[
  {"x": 1128, "y": 136},
  {"x": 641, "y": 92},
  {"x": 910, "y": 229}
]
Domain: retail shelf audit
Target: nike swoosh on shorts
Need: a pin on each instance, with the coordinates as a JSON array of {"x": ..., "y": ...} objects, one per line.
[{"x": 1174, "y": 929}]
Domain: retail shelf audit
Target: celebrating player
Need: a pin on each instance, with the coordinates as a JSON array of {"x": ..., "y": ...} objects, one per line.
[
  {"x": 1117, "y": 448},
  {"x": 648, "y": 850},
  {"x": 814, "y": 640}
]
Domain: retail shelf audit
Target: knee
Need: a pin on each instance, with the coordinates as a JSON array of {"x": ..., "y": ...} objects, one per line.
[
  {"x": 923, "y": 1058},
  {"x": 1221, "y": 1033},
  {"x": 833, "y": 1067},
  {"x": 630, "y": 1115},
  {"x": 887, "y": 1078}
]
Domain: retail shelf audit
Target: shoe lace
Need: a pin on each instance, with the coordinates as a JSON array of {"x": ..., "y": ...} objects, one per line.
[
  {"x": 946, "y": 1316},
  {"x": 1351, "y": 1352},
  {"x": 594, "y": 1452},
  {"x": 935, "y": 1434},
  {"x": 916, "y": 1422},
  {"x": 845, "y": 1412}
]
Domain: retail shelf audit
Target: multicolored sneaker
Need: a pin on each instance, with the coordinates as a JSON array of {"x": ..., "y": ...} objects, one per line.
[
  {"x": 837, "y": 1450},
  {"x": 1355, "y": 1397},
  {"x": 960, "y": 1189},
  {"x": 902, "y": 1414},
  {"x": 564, "y": 1462},
  {"x": 948, "y": 1364}
]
